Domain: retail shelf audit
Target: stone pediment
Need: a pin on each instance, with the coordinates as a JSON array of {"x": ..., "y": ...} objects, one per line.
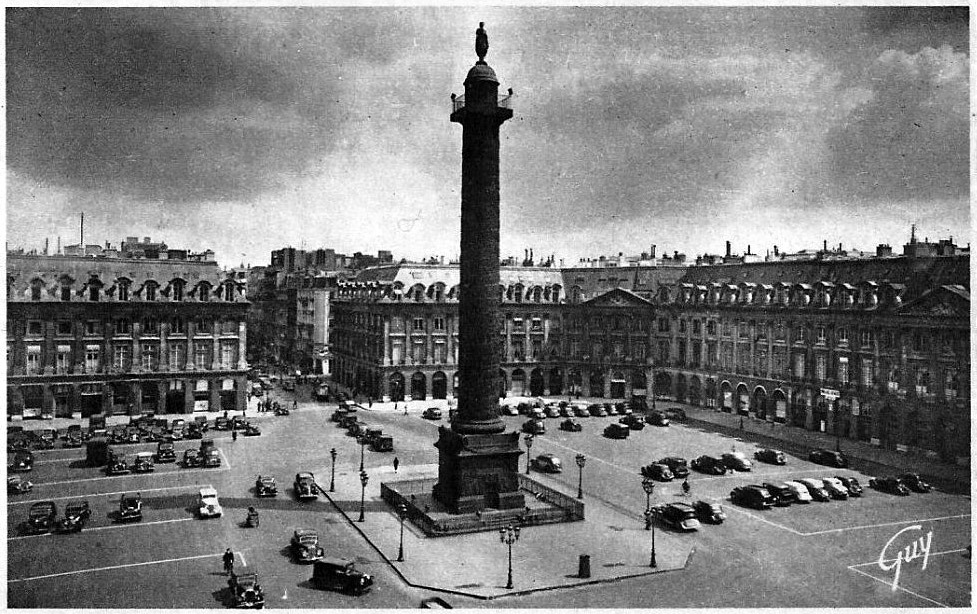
[
  {"x": 945, "y": 301},
  {"x": 617, "y": 297}
]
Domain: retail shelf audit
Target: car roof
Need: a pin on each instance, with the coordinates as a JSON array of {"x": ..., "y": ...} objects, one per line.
[
  {"x": 685, "y": 507},
  {"x": 548, "y": 455},
  {"x": 208, "y": 491},
  {"x": 144, "y": 454},
  {"x": 301, "y": 532},
  {"x": 302, "y": 475},
  {"x": 267, "y": 478},
  {"x": 332, "y": 562}
]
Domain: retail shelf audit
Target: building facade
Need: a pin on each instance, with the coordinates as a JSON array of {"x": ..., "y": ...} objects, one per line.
[{"x": 88, "y": 335}]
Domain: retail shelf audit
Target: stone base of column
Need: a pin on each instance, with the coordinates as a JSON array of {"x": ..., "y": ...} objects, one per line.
[{"x": 477, "y": 472}]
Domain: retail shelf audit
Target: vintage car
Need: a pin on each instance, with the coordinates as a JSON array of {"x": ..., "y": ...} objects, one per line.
[
  {"x": 509, "y": 410},
  {"x": 340, "y": 575},
  {"x": 222, "y": 424},
  {"x": 680, "y": 516},
  {"x": 534, "y": 427},
  {"x": 73, "y": 438},
  {"x": 657, "y": 418},
  {"x": 633, "y": 422},
  {"x": 194, "y": 431},
  {"x": 143, "y": 463},
  {"x": 42, "y": 517},
  {"x": 678, "y": 465},
  {"x": 251, "y": 430},
  {"x": 709, "y": 464},
  {"x": 178, "y": 432},
  {"x": 914, "y": 482},
  {"x": 537, "y": 413},
  {"x": 238, "y": 423},
  {"x": 580, "y": 411},
  {"x": 130, "y": 507},
  {"x": 854, "y": 488},
  {"x": 830, "y": 458},
  {"x": 17, "y": 485},
  {"x": 816, "y": 488},
  {"x": 891, "y": 485},
  {"x": 552, "y": 411},
  {"x": 207, "y": 504},
  {"x": 676, "y": 413},
  {"x": 801, "y": 493},
  {"x": 736, "y": 461},
  {"x": 165, "y": 452},
  {"x": 245, "y": 590},
  {"x": 835, "y": 488},
  {"x": 211, "y": 457},
  {"x": 435, "y": 603},
  {"x": 710, "y": 512},
  {"x": 613, "y": 409},
  {"x": 774, "y": 457},
  {"x": 431, "y": 413},
  {"x": 616, "y": 431},
  {"x": 657, "y": 471},
  {"x": 116, "y": 464},
  {"x": 46, "y": 439},
  {"x": 75, "y": 516},
  {"x": 571, "y": 426},
  {"x": 305, "y": 486},
  {"x": 547, "y": 463},
  {"x": 382, "y": 443},
  {"x": 565, "y": 410},
  {"x": 597, "y": 410},
  {"x": 783, "y": 495},
  {"x": 266, "y": 486},
  {"x": 192, "y": 458},
  {"x": 23, "y": 461},
  {"x": 754, "y": 496},
  {"x": 305, "y": 546}
]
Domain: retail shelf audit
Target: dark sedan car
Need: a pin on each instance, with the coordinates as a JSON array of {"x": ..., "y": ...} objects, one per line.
[
  {"x": 633, "y": 422},
  {"x": 890, "y": 485},
  {"x": 830, "y": 458},
  {"x": 42, "y": 517},
  {"x": 678, "y": 465},
  {"x": 709, "y": 512},
  {"x": 781, "y": 493},
  {"x": 774, "y": 457},
  {"x": 753, "y": 496},
  {"x": 616, "y": 431},
  {"x": 571, "y": 425},
  {"x": 854, "y": 488},
  {"x": 534, "y": 427},
  {"x": 737, "y": 461},
  {"x": 657, "y": 471},
  {"x": 914, "y": 482},
  {"x": 709, "y": 464},
  {"x": 657, "y": 418},
  {"x": 266, "y": 486}
]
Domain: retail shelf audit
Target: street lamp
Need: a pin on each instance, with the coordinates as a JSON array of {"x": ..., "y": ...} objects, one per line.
[
  {"x": 402, "y": 512},
  {"x": 364, "y": 478},
  {"x": 529, "y": 444},
  {"x": 581, "y": 461},
  {"x": 509, "y": 535},
  {"x": 362, "y": 442},
  {"x": 332, "y": 480},
  {"x": 649, "y": 487}
]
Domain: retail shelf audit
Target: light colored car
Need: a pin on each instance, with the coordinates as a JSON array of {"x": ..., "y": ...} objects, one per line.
[
  {"x": 835, "y": 488},
  {"x": 547, "y": 463},
  {"x": 816, "y": 488},
  {"x": 803, "y": 496},
  {"x": 208, "y": 505}
]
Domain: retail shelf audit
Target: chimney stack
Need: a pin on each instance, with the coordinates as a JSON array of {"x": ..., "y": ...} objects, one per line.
[
  {"x": 825, "y": 245},
  {"x": 728, "y": 249},
  {"x": 776, "y": 252}
]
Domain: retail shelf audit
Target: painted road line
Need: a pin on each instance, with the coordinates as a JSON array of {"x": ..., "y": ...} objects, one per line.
[
  {"x": 589, "y": 458},
  {"x": 732, "y": 508},
  {"x": 244, "y": 561},
  {"x": 105, "y": 528},
  {"x": 886, "y": 524},
  {"x": 226, "y": 462},
  {"x": 104, "y": 494},
  {"x": 97, "y": 569},
  {"x": 902, "y": 588}
]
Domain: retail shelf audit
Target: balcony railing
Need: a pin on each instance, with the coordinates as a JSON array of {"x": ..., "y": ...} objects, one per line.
[{"x": 504, "y": 102}]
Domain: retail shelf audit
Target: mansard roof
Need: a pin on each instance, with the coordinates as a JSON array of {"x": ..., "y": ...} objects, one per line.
[{"x": 618, "y": 297}]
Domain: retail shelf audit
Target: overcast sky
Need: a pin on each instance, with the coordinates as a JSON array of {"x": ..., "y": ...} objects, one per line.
[{"x": 246, "y": 130}]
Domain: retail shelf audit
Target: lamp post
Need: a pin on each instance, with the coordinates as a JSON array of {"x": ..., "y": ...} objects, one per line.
[
  {"x": 332, "y": 480},
  {"x": 649, "y": 487},
  {"x": 364, "y": 478},
  {"x": 529, "y": 445},
  {"x": 509, "y": 535},
  {"x": 581, "y": 461},
  {"x": 362, "y": 442},
  {"x": 402, "y": 511}
]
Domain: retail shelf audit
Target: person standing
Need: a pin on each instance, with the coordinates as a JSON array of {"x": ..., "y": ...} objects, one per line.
[
  {"x": 228, "y": 562},
  {"x": 396, "y": 464}
]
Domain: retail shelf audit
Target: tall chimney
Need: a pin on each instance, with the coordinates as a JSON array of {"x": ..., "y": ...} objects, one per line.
[
  {"x": 83, "y": 232},
  {"x": 46, "y": 240},
  {"x": 728, "y": 249},
  {"x": 825, "y": 245}
]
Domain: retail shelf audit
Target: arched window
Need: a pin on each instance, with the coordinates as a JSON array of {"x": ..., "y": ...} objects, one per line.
[
  {"x": 124, "y": 285},
  {"x": 229, "y": 291},
  {"x": 150, "y": 290},
  {"x": 36, "y": 286},
  {"x": 203, "y": 292},
  {"x": 179, "y": 288}
]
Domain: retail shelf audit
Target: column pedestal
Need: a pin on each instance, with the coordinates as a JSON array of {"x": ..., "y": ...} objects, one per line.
[{"x": 476, "y": 472}]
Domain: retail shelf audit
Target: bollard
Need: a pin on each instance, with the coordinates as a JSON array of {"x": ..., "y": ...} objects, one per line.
[{"x": 584, "y": 567}]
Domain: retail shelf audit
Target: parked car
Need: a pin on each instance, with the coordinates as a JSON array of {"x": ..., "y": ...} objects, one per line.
[
  {"x": 816, "y": 488},
  {"x": 435, "y": 603},
  {"x": 192, "y": 458},
  {"x": 854, "y": 488},
  {"x": 266, "y": 486},
  {"x": 383, "y": 443},
  {"x": 130, "y": 507},
  {"x": 657, "y": 418},
  {"x": 676, "y": 413},
  {"x": 340, "y": 575},
  {"x": 616, "y": 431},
  {"x": 801, "y": 493},
  {"x": 251, "y": 430},
  {"x": 580, "y": 411},
  {"x": 597, "y": 410},
  {"x": 245, "y": 590},
  {"x": 75, "y": 516},
  {"x": 305, "y": 546},
  {"x": 211, "y": 457},
  {"x": 612, "y": 409},
  {"x": 710, "y": 512},
  {"x": 431, "y": 413},
  {"x": 193, "y": 431},
  {"x": 678, "y": 465},
  {"x": 73, "y": 439},
  {"x": 914, "y": 482},
  {"x": 305, "y": 486},
  {"x": 552, "y": 411},
  {"x": 42, "y": 517},
  {"x": 657, "y": 471},
  {"x": 737, "y": 461},
  {"x": 783, "y": 495},
  {"x": 754, "y": 496},
  {"x": 116, "y": 464},
  {"x": 633, "y": 422},
  {"x": 830, "y": 458},
  {"x": 222, "y": 424},
  {"x": 537, "y": 413},
  {"x": 23, "y": 461},
  {"x": 143, "y": 463},
  {"x": 565, "y": 410},
  {"x": 509, "y": 410},
  {"x": 835, "y": 488},
  {"x": 774, "y": 457},
  {"x": 547, "y": 463},
  {"x": 709, "y": 464},
  {"x": 891, "y": 485},
  {"x": 571, "y": 425},
  {"x": 534, "y": 427},
  {"x": 207, "y": 504},
  {"x": 165, "y": 452},
  {"x": 680, "y": 516},
  {"x": 17, "y": 485}
]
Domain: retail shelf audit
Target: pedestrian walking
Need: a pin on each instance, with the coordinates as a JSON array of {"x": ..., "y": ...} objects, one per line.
[
  {"x": 396, "y": 464},
  {"x": 741, "y": 423},
  {"x": 686, "y": 489},
  {"x": 228, "y": 562},
  {"x": 295, "y": 405},
  {"x": 370, "y": 401},
  {"x": 233, "y": 434}
]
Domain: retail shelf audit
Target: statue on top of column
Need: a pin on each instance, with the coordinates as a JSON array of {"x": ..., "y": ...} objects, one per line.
[{"x": 481, "y": 42}]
